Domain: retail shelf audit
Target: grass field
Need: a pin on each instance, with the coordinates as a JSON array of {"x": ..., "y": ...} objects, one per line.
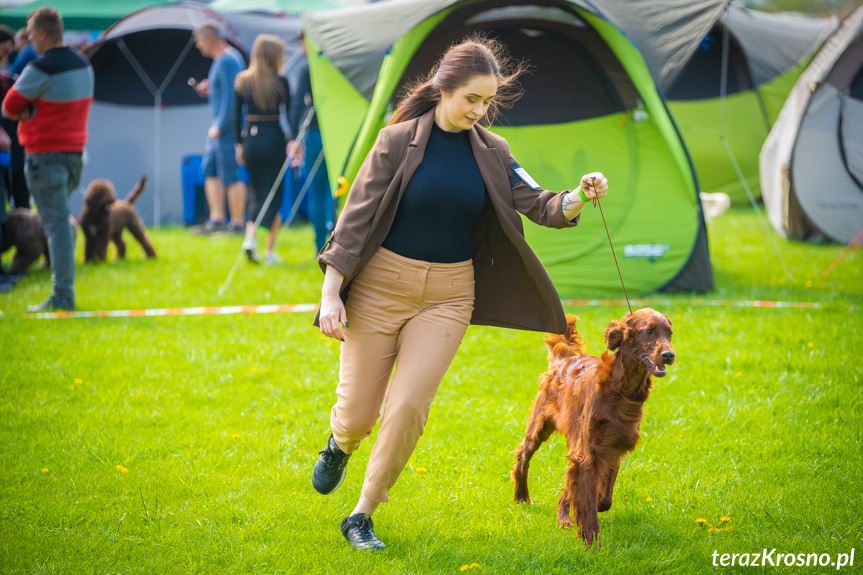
[{"x": 185, "y": 444}]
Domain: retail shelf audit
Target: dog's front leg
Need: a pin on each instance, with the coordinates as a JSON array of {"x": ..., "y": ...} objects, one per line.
[
  {"x": 605, "y": 501},
  {"x": 568, "y": 496},
  {"x": 586, "y": 511}
]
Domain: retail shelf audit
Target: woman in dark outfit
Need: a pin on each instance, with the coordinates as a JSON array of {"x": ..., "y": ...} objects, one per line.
[
  {"x": 262, "y": 91},
  {"x": 430, "y": 240}
]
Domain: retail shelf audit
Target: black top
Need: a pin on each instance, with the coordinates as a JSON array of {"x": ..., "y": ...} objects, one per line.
[
  {"x": 302, "y": 100},
  {"x": 435, "y": 218},
  {"x": 252, "y": 108}
]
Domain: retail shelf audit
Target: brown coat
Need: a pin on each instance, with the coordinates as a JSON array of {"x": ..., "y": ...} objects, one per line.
[{"x": 512, "y": 287}]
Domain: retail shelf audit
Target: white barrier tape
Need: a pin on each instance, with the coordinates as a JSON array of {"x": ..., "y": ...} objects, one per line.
[{"x": 312, "y": 307}]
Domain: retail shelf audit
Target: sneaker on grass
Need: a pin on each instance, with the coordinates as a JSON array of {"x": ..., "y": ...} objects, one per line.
[
  {"x": 330, "y": 469},
  {"x": 358, "y": 529}
]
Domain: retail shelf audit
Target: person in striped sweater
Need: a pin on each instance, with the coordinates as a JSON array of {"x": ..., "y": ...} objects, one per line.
[{"x": 51, "y": 100}]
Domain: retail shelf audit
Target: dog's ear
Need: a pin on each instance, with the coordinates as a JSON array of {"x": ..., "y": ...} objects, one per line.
[{"x": 614, "y": 335}]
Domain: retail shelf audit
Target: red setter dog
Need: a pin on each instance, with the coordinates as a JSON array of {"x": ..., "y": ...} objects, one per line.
[{"x": 596, "y": 403}]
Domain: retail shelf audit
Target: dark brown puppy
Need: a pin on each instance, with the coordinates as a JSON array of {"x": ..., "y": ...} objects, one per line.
[
  {"x": 28, "y": 238},
  {"x": 103, "y": 219},
  {"x": 596, "y": 403}
]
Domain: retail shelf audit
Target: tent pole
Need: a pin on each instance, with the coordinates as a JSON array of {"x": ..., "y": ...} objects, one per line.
[{"x": 157, "y": 162}]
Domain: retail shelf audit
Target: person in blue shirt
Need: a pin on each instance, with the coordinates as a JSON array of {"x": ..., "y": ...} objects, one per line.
[
  {"x": 322, "y": 205},
  {"x": 220, "y": 167}
]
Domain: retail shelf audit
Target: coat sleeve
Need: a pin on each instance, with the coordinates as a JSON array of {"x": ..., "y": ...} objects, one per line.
[
  {"x": 354, "y": 225},
  {"x": 540, "y": 206}
]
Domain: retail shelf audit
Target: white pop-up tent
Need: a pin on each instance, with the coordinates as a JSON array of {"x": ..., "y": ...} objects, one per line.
[
  {"x": 145, "y": 116},
  {"x": 812, "y": 160}
]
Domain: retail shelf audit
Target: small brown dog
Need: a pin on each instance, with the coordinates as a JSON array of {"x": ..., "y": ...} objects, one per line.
[
  {"x": 28, "y": 238},
  {"x": 596, "y": 403},
  {"x": 103, "y": 219}
]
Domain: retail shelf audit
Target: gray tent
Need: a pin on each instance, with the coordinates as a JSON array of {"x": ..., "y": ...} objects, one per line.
[
  {"x": 812, "y": 161},
  {"x": 733, "y": 87},
  {"x": 145, "y": 117}
]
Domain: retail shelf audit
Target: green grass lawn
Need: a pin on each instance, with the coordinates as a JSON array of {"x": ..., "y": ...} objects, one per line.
[{"x": 185, "y": 444}]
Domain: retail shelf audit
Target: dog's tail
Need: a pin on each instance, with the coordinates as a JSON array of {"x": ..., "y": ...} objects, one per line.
[
  {"x": 139, "y": 188},
  {"x": 567, "y": 344}
]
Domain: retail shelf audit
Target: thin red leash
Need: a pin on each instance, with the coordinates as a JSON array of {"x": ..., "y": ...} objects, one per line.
[{"x": 596, "y": 203}]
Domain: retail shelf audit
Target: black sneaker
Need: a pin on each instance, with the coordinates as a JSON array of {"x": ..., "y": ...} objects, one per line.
[
  {"x": 53, "y": 303},
  {"x": 330, "y": 469},
  {"x": 359, "y": 531}
]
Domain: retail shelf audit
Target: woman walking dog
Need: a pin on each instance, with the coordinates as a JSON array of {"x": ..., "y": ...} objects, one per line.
[{"x": 430, "y": 240}]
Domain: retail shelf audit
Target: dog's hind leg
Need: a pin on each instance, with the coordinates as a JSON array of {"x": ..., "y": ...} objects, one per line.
[
  {"x": 539, "y": 429},
  {"x": 136, "y": 228}
]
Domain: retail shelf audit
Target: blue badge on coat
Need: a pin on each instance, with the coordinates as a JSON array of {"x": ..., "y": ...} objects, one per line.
[{"x": 520, "y": 175}]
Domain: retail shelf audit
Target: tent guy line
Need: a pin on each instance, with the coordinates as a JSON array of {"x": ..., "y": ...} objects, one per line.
[{"x": 312, "y": 307}]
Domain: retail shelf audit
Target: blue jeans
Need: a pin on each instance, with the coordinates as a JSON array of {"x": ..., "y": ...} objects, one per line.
[
  {"x": 52, "y": 178},
  {"x": 322, "y": 205}
]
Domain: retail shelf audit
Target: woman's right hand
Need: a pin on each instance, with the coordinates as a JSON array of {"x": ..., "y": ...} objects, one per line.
[{"x": 332, "y": 312}]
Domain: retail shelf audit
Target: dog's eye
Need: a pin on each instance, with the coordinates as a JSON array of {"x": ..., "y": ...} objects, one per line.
[{"x": 649, "y": 331}]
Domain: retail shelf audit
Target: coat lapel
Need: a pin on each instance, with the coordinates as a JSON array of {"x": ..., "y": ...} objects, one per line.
[
  {"x": 416, "y": 149},
  {"x": 488, "y": 161}
]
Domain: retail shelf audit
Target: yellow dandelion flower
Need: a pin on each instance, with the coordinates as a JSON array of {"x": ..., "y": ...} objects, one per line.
[
  {"x": 71, "y": 387},
  {"x": 649, "y": 499},
  {"x": 235, "y": 435},
  {"x": 712, "y": 529},
  {"x": 78, "y": 380},
  {"x": 44, "y": 470},
  {"x": 739, "y": 373},
  {"x": 810, "y": 345},
  {"x": 421, "y": 469},
  {"x": 808, "y": 283},
  {"x": 464, "y": 568},
  {"x": 252, "y": 370},
  {"x": 474, "y": 565},
  {"x": 725, "y": 519},
  {"x": 122, "y": 469},
  {"x": 701, "y": 520}
]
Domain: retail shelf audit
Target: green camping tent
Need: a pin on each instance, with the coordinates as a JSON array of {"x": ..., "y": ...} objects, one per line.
[
  {"x": 79, "y": 14},
  {"x": 590, "y": 103},
  {"x": 753, "y": 59}
]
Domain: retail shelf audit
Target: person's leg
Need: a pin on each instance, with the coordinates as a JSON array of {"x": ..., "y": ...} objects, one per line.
[
  {"x": 214, "y": 189},
  {"x": 215, "y": 192},
  {"x": 427, "y": 345},
  {"x": 321, "y": 203},
  {"x": 51, "y": 178},
  {"x": 274, "y": 231},
  {"x": 237, "y": 203}
]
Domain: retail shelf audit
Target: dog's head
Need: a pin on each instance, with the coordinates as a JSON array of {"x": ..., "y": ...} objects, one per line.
[
  {"x": 100, "y": 195},
  {"x": 643, "y": 336}
]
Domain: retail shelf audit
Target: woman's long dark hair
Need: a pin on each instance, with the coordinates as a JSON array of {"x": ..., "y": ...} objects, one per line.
[{"x": 473, "y": 56}]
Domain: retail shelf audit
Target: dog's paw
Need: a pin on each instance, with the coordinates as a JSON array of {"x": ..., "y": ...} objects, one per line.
[
  {"x": 565, "y": 523},
  {"x": 523, "y": 499}
]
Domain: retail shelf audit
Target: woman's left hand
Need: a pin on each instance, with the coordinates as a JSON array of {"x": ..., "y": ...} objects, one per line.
[{"x": 595, "y": 188}]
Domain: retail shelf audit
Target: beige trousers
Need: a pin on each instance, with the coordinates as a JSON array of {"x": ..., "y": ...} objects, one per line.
[{"x": 404, "y": 313}]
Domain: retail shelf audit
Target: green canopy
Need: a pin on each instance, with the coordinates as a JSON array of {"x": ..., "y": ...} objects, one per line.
[
  {"x": 79, "y": 14},
  {"x": 590, "y": 103},
  {"x": 286, "y": 6}
]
